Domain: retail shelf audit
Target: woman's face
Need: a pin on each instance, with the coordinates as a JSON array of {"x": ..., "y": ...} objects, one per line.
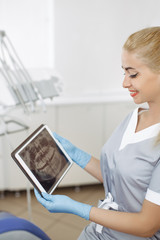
[{"x": 142, "y": 83}]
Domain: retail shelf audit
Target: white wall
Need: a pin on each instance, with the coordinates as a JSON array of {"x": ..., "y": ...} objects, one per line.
[
  {"x": 30, "y": 26},
  {"x": 89, "y": 35}
]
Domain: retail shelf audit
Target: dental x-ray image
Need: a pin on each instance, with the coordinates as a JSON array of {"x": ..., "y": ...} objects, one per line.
[{"x": 44, "y": 158}]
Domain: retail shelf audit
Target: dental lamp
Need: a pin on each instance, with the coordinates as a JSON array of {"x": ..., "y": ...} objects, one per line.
[{"x": 23, "y": 89}]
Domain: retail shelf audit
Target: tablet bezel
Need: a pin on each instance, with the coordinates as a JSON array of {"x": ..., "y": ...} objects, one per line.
[{"x": 26, "y": 170}]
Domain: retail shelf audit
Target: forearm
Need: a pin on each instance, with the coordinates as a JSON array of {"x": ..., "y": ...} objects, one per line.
[
  {"x": 131, "y": 223},
  {"x": 93, "y": 168}
]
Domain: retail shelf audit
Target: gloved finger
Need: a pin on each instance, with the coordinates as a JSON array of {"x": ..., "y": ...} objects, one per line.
[
  {"x": 37, "y": 194},
  {"x": 47, "y": 196},
  {"x": 39, "y": 197},
  {"x": 58, "y": 137}
]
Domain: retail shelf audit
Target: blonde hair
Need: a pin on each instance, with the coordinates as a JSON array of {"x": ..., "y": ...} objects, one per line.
[{"x": 146, "y": 44}]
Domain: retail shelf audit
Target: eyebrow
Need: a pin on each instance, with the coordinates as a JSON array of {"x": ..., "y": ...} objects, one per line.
[{"x": 128, "y": 68}]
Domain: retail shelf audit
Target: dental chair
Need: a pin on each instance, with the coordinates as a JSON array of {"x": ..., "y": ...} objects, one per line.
[{"x": 15, "y": 228}]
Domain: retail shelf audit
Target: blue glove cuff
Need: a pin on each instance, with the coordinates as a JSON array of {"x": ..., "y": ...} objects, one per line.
[
  {"x": 84, "y": 159},
  {"x": 86, "y": 211},
  {"x": 81, "y": 209}
]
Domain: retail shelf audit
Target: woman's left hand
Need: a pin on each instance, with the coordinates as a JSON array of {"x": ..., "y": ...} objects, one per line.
[{"x": 63, "y": 204}]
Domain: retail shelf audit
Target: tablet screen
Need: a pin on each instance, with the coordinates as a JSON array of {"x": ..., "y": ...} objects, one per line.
[{"x": 44, "y": 158}]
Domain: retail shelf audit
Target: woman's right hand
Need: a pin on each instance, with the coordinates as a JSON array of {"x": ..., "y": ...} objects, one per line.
[{"x": 77, "y": 155}]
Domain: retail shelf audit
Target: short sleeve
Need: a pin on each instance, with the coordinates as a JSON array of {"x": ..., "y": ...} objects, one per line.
[{"x": 153, "y": 191}]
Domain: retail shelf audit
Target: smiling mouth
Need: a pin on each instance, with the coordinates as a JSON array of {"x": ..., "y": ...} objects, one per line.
[{"x": 133, "y": 93}]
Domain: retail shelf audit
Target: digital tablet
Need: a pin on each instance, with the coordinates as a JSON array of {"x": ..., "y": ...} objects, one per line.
[{"x": 42, "y": 159}]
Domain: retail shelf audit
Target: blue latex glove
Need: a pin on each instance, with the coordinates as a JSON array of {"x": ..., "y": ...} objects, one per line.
[
  {"x": 77, "y": 155},
  {"x": 63, "y": 204}
]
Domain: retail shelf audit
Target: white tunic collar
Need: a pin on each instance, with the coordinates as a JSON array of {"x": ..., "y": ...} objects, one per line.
[{"x": 130, "y": 136}]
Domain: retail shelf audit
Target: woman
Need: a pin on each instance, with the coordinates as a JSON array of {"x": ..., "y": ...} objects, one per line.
[{"x": 130, "y": 160}]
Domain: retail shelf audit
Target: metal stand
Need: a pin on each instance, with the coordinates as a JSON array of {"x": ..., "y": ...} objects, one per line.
[{"x": 29, "y": 203}]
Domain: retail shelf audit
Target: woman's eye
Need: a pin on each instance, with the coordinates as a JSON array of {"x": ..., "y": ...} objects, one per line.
[{"x": 133, "y": 75}]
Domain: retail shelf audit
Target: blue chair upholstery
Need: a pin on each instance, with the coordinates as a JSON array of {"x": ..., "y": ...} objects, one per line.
[{"x": 15, "y": 228}]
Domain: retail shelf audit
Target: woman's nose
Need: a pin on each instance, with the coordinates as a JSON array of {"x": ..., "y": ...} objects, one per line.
[{"x": 126, "y": 82}]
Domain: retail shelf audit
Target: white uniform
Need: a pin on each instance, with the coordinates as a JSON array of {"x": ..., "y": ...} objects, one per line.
[{"x": 130, "y": 165}]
